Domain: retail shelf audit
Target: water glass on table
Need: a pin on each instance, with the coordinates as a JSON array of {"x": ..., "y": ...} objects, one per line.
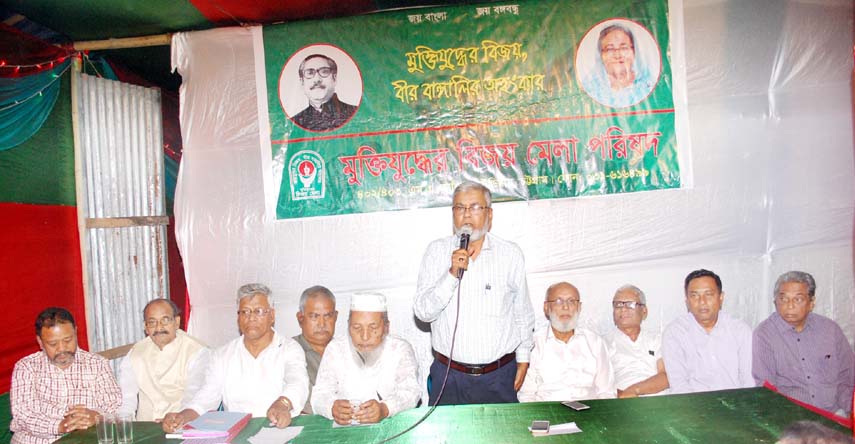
[
  {"x": 104, "y": 428},
  {"x": 124, "y": 428}
]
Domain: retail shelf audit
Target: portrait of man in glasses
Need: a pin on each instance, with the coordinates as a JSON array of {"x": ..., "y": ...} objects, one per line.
[
  {"x": 163, "y": 370},
  {"x": 318, "y": 75},
  {"x": 635, "y": 353}
]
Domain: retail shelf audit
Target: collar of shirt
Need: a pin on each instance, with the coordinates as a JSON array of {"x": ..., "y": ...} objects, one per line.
[
  {"x": 486, "y": 246},
  {"x": 329, "y": 106},
  {"x": 550, "y": 335},
  {"x": 274, "y": 343},
  {"x": 784, "y": 327},
  {"x": 719, "y": 327}
]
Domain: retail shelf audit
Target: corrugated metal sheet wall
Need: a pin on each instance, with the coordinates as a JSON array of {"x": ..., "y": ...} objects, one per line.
[{"x": 120, "y": 137}]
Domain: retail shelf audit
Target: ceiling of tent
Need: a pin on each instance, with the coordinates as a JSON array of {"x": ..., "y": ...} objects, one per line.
[{"x": 81, "y": 20}]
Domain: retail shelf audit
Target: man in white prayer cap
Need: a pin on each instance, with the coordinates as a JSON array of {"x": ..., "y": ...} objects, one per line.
[{"x": 369, "y": 375}]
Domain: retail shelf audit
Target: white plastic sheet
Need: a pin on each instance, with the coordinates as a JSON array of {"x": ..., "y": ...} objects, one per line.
[{"x": 770, "y": 114}]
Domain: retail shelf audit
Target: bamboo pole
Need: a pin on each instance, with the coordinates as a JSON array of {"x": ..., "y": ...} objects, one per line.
[
  {"x": 129, "y": 42},
  {"x": 81, "y": 201}
]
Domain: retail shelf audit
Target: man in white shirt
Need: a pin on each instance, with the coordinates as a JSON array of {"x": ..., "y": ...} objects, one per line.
[
  {"x": 261, "y": 372},
  {"x": 368, "y": 375},
  {"x": 635, "y": 354},
  {"x": 567, "y": 363},
  {"x": 494, "y": 331},
  {"x": 166, "y": 369}
]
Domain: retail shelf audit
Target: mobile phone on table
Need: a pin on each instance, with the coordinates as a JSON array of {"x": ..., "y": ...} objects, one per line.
[
  {"x": 539, "y": 427},
  {"x": 575, "y": 405}
]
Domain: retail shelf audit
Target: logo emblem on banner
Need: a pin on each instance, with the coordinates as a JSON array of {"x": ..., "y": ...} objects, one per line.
[{"x": 308, "y": 176}]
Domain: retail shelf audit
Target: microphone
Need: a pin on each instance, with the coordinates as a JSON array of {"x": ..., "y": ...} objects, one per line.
[{"x": 465, "y": 233}]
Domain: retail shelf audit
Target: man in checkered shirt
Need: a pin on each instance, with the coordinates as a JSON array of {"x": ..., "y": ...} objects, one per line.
[{"x": 60, "y": 388}]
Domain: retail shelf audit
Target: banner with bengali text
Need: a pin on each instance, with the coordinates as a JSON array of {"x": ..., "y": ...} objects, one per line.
[{"x": 535, "y": 99}]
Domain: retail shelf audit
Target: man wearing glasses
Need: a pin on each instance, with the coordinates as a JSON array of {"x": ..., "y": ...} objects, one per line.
[
  {"x": 805, "y": 355},
  {"x": 318, "y": 74},
  {"x": 166, "y": 369},
  {"x": 635, "y": 354},
  {"x": 568, "y": 363},
  {"x": 706, "y": 349},
  {"x": 494, "y": 331},
  {"x": 261, "y": 372}
]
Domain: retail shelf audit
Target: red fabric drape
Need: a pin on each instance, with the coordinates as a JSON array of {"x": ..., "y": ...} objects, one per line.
[{"x": 40, "y": 266}]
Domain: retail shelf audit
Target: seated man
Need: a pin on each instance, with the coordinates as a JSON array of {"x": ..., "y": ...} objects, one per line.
[
  {"x": 60, "y": 388},
  {"x": 317, "y": 318},
  {"x": 163, "y": 371},
  {"x": 567, "y": 363},
  {"x": 635, "y": 353},
  {"x": 370, "y": 368},
  {"x": 805, "y": 355},
  {"x": 260, "y": 372},
  {"x": 706, "y": 349}
]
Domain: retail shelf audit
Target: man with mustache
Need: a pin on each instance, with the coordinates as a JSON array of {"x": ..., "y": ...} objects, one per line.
[
  {"x": 368, "y": 375},
  {"x": 706, "y": 349},
  {"x": 635, "y": 353},
  {"x": 494, "y": 332},
  {"x": 317, "y": 317},
  {"x": 60, "y": 388},
  {"x": 318, "y": 75},
  {"x": 164, "y": 370},
  {"x": 260, "y": 372},
  {"x": 567, "y": 363}
]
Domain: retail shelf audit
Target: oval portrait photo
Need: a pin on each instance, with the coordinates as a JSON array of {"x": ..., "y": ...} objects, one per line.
[
  {"x": 320, "y": 88},
  {"x": 618, "y": 63}
]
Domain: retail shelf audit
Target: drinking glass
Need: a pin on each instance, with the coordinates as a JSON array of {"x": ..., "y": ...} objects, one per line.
[
  {"x": 104, "y": 428},
  {"x": 125, "y": 428}
]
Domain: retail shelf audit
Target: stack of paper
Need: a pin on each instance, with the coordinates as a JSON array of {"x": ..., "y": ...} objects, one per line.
[{"x": 560, "y": 429}]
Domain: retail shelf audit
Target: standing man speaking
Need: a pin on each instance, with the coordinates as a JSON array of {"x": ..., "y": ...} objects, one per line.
[{"x": 494, "y": 332}]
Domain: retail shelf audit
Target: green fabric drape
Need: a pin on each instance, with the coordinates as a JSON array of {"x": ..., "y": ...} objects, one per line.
[{"x": 25, "y": 104}]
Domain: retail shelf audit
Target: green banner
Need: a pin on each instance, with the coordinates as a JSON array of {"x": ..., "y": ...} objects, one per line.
[{"x": 535, "y": 99}]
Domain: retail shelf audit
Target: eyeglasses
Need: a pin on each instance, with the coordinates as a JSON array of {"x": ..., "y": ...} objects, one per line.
[
  {"x": 611, "y": 50},
  {"x": 562, "y": 302},
  {"x": 797, "y": 301},
  {"x": 474, "y": 209},
  {"x": 163, "y": 322},
  {"x": 258, "y": 312},
  {"x": 628, "y": 304},
  {"x": 309, "y": 73}
]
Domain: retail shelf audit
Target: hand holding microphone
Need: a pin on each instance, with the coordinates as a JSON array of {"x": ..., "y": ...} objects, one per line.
[{"x": 460, "y": 257}]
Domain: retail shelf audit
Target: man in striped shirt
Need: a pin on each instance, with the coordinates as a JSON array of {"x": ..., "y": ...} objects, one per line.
[
  {"x": 494, "y": 333},
  {"x": 60, "y": 388},
  {"x": 805, "y": 355}
]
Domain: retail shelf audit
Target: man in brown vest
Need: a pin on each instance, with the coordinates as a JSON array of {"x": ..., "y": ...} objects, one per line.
[{"x": 164, "y": 369}]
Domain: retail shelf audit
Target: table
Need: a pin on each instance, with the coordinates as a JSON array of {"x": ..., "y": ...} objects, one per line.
[{"x": 755, "y": 415}]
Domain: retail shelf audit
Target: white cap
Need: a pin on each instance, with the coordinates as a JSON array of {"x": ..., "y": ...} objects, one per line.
[{"x": 375, "y": 302}]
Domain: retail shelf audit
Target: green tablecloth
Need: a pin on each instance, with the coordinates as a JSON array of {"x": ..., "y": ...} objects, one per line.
[{"x": 731, "y": 416}]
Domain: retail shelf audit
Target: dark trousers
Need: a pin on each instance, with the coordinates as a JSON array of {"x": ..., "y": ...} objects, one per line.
[{"x": 491, "y": 388}]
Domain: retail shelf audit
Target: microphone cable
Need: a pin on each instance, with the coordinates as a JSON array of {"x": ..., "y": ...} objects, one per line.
[{"x": 447, "y": 371}]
